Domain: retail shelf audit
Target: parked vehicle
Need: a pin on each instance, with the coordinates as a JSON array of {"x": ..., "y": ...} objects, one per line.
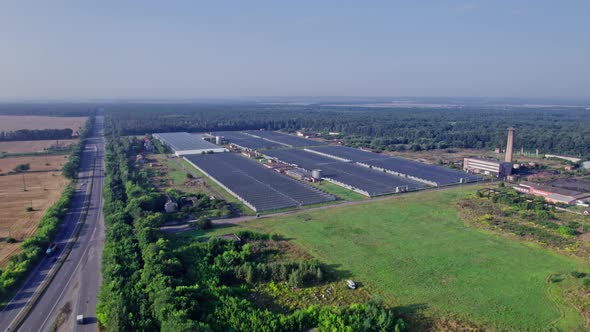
[
  {"x": 80, "y": 319},
  {"x": 52, "y": 248},
  {"x": 351, "y": 284}
]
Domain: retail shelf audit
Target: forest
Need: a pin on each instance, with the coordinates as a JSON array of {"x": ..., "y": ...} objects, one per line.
[
  {"x": 562, "y": 130},
  {"x": 556, "y": 130},
  {"x": 152, "y": 284}
]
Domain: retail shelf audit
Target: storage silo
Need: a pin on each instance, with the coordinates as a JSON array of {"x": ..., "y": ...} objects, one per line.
[{"x": 316, "y": 174}]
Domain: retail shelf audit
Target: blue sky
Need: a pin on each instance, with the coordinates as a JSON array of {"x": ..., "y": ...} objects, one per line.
[{"x": 186, "y": 49}]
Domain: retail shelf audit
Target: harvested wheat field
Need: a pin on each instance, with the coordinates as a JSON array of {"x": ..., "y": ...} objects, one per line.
[
  {"x": 44, "y": 187},
  {"x": 16, "y": 122},
  {"x": 33, "y": 146},
  {"x": 36, "y": 163}
]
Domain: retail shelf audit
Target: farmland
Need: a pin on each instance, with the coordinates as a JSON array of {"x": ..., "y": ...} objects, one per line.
[
  {"x": 32, "y": 146},
  {"x": 16, "y": 122},
  {"x": 37, "y": 163},
  {"x": 44, "y": 184},
  {"x": 427, "y": 261}
]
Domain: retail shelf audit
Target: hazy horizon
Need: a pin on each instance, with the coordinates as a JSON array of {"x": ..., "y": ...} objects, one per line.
[{"x": 67, "y": 50}]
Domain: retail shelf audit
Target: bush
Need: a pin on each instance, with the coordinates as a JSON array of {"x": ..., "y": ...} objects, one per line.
[
  {"x": 586, "y": 283},
  {"x": 566, "y": 231},
  {"x": 577, "y": 274},
  {"x": 249, "y": 235},
  {"x": 22, "y": 167},
  {"x": 203, "y": 223}
]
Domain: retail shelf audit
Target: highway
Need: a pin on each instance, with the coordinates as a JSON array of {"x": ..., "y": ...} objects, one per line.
[{"x": 74, "y": 288}]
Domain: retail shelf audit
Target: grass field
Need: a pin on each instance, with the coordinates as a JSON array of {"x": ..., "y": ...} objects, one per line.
[
  {"x": 417, "y": 253},
  {"x": 16, "y": 122},
  {"x": 340, "y": 192},
  {"x": 32, "y": 146},
  {"x": 44, "y": 187}
]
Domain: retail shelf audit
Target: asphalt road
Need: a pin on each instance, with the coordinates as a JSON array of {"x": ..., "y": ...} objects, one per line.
[{"x": 74, "y": 289}]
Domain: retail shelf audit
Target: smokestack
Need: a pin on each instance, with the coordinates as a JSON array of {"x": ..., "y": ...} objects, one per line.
[{"x": 509, "y": 145}]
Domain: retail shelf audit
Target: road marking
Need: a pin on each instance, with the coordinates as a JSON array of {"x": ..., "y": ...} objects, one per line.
[
  {"x": 84, "y": 254},
  {"x": 86, "y": 202},
  {"x": 65, "y": 288},
  {"x": 38, "y": 267}
]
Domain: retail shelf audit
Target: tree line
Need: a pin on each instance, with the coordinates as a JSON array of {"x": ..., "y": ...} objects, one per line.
[
  {"x": 557, "y": 130},
  {"x": 152, "y": 284},
  {"x": 49, "y": 109},
  {"x": 36, "y": 134},
  {"x": 71, "y": 167}
]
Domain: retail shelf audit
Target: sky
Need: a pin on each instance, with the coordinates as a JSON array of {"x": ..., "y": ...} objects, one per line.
[{"x": 221, "y": 49}]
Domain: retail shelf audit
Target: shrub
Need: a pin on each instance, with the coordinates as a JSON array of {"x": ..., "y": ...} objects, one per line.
[
  {"x": 577, "y": 274},
  {"x": 566, "y": 231},
  {"x": 203, "y": 223},
  {"x": 586, "y": 283},
  {"x": 22, "y": 167}
]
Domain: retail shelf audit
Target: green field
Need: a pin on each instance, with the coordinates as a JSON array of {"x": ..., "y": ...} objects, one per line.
[
  {"x": 339, "y": 191},
  {"x": 417, "y": 253}
]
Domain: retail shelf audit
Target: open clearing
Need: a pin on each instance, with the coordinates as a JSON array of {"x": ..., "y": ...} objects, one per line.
[
  {"x": 423, "y": 258},
  {"x": 33, "y": 146},
  {"x": 44, "y": 187},
  {"x": 16, "y": 122}
]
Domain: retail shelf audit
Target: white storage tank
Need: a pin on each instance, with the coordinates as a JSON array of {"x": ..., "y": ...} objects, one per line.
[{"x": 316, "y": 174}]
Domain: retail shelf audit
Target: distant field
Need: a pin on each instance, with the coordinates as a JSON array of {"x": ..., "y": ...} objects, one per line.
[
  {"x": 16, "y": 122},
  {"x": 37, "y": 163},
  {"x": 455, "y": 155},
  {"x": 43, "y": 189},
  {"x": 32, "y": 146},
  {"x": 417, "y": 253}
]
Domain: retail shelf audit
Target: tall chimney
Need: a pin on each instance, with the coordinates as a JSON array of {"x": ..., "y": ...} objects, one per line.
[{"x": 509, "y": 145}]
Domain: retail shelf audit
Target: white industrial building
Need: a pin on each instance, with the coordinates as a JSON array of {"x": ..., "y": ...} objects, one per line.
[
  {"x": 499, "y": 169},
  {"x": 183, "y": 143}
]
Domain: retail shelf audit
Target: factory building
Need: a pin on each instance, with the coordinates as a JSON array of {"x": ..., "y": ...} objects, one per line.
[
  {"x": 500, "y": 169},
  {"x": 184, "y": 143},
  {"x": 552, "y": 194},
  {"x": 496, "y": 168}
]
